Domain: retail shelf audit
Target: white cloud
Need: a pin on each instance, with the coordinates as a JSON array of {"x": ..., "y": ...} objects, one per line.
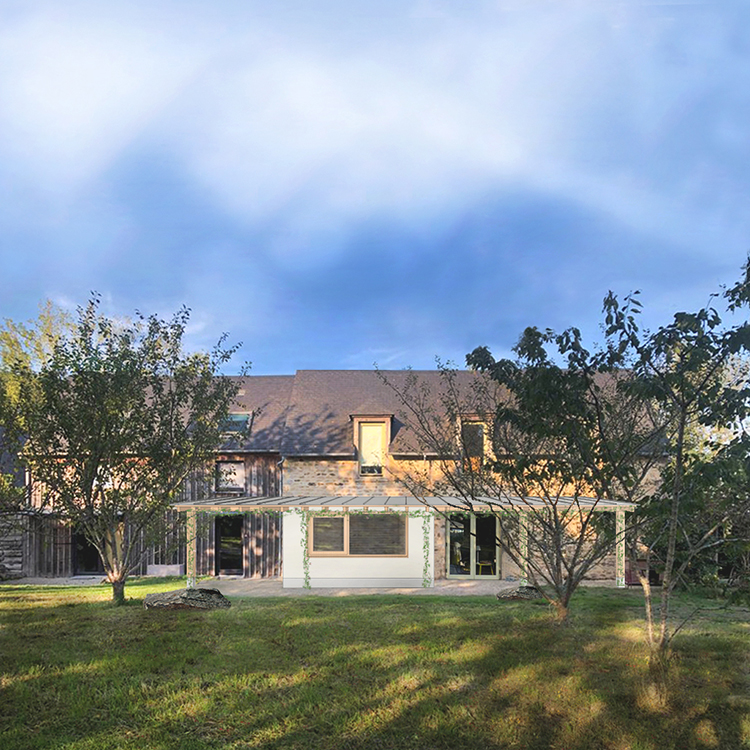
[
  {"x": 76, "y": 90},
  {"x": 300, "y": 135}
]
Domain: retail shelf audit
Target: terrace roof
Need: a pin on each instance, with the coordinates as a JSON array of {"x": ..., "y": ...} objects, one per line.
[{"x": 380, "y": 502}]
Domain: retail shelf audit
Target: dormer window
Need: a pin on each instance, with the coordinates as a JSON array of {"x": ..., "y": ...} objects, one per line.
[
  {"x": 371, "y": 448},
  {"x": 472, "y": 445},
  {"x": 235, "y": 424},
  {"x": 372, "y": 436}
]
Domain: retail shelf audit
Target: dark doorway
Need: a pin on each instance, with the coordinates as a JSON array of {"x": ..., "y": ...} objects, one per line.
[
  {"x": 229, "y": 532},
  {"x": 86, "y": 560}
]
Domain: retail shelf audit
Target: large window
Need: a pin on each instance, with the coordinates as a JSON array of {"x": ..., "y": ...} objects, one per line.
[
  {"x": 473, "y": 549},
  {"x": 372, "y": 534},
  {"x": 371, "y": 447}
]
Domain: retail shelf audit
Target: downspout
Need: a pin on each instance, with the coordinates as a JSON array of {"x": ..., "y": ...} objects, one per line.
[{"x": 280, "y": 466}]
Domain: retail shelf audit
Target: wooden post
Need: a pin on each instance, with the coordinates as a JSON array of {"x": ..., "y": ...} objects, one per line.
[
  {"x": 620, "y": 554},
  {"x": 191, "y": 543},
  {"x": 523, "y": 546}
]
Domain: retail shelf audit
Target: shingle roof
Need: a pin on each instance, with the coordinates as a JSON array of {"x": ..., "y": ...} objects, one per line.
[
  {"x": 323, "y": 402},
  {"x": 310, "y": 413},
  {"x": 266, "y": 399}
]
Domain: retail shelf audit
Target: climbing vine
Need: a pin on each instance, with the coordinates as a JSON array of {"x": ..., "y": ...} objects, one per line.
[
  {"x": 305, "y": 515},
  {"x": 425, "y": 515},
  {"x": 426, "y": 534}
]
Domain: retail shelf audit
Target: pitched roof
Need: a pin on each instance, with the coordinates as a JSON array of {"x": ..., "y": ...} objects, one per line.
[
  {"x": 310, "y": 413},
  {"x": 266, "y": 399}
]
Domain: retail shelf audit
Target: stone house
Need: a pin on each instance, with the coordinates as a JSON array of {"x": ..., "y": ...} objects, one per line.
[
  {"x": 312, "y": 492},
  {"x": 342, "y": 450}
]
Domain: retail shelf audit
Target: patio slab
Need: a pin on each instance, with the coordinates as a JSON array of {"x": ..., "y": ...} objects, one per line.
[{"x": 264, "y": 587}]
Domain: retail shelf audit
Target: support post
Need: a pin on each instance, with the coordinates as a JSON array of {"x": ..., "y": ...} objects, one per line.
[
  {"x": 523, "y": 546},
  {"x": 620, "y": 550},
  {"x": 192, "y": 549}
]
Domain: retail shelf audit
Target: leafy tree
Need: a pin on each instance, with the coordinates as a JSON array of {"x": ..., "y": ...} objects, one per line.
[
  {"x": 682, "y": 367},
  {"x": 559, "y": 442},
  {"x": 23, "y": 347},
  {"x": 116, "y": 419},
  {"x": 620, "y": 422}
]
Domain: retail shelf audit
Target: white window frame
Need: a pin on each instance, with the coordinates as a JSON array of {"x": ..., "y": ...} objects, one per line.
[{"x": 229, "y": 488}]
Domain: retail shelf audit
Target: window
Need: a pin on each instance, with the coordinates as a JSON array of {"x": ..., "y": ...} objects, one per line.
[
  {"x": 328, "y": 535},
  {"x": 472, "y": 445},
  {"x": 235, "y": 424},
  {"x": 376, "y": 534},
  {"x": 230, "y": 476},
  {"x": 371, "y": 448},
  {"x": 472, "y": 546}
]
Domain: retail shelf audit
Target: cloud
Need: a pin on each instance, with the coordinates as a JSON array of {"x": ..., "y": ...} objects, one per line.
[
  {"x": 77, "y": 88},
  {"x": 289, "y": 126},
  {"x": 261, "y": 161}
]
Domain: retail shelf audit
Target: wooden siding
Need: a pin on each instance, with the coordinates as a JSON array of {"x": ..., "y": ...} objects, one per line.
[
  {"x": 48, "y": 545},
  {"x": 261, "y": 547},
  {"x": 261, "y": 544}
]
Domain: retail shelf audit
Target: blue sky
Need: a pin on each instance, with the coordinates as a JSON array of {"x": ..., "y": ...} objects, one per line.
[{"x": 336, "y": 184}]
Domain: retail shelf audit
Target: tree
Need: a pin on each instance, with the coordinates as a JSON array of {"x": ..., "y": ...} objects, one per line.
[
  {"x": 599, "y": 425},
  {"x": 682, "y": 368},
  {"x": 559, "y": 442},
  {"x": 116, "y": 419},
  {"x": 23, "y": 347}
]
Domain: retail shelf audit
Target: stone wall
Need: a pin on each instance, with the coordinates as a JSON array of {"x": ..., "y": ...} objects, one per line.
[
  {"x": 604, "y": 570},
  {"x": 313, "y": 476},
  {"x": 439, "y": 559},
  {"x": 11, "y": 552}
]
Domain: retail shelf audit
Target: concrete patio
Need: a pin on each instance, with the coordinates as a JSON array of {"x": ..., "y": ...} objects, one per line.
[{"x": 249, "y": 587}]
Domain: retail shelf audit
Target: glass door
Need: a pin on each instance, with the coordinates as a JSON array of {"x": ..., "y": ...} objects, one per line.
[
  {"x": 229, "y": 545},
  {"x": 472, "y": 551},
  {"x": 459, "y": 544}
]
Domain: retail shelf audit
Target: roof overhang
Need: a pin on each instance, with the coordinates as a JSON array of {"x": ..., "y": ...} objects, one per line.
[{"x": 392, "y": 502}]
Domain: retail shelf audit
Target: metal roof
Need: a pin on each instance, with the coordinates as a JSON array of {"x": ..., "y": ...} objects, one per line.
[{"x": 376, "y": 502}]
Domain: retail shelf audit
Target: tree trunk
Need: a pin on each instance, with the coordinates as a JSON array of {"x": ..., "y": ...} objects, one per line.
[
  {"x": 561, "y": 611},
  {"x": 118, "y": 592},
  {"x": 663, "y": 640}
]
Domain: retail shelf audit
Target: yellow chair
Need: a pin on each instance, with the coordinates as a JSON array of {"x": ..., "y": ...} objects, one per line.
[{"x": 483, "y": 561}]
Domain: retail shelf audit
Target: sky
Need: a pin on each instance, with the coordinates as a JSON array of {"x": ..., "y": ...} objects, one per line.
[{"x": 336, "y": 184}]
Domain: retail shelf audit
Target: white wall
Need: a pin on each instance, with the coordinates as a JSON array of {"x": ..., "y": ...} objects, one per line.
[{"x": 348, "y": 572}]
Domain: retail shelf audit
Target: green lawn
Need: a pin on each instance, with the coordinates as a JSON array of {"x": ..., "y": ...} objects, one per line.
[{"x": 362, "y": 672}]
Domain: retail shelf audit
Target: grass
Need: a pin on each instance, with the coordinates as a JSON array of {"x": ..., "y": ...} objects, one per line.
[{"x": 362, "y": 672}]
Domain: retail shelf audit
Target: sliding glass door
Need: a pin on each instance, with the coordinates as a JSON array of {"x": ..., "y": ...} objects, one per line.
[{"x": 472, "y": 546}]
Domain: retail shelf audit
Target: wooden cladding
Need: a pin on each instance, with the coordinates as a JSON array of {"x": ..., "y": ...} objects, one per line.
[
  {"x": 261, "y": 544},
  {"x": 50, "y": 546}
]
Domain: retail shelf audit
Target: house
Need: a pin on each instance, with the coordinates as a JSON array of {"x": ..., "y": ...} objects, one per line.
[
  {"x": 309, "y": 487},
  {"x": 341, "y": 451}
]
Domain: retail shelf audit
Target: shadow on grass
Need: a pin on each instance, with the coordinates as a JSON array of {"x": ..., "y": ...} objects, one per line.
[{"x": 366, "y": 672}]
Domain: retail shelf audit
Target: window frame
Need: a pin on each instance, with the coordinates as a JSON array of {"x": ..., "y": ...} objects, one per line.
[
  {"x": 403, "y": 517},
  {"x": 472, "y": 463},
  {"x": 229, "y": 428},
  {"x": 384, "y": 422},
  {"x": 233, "y": 489}
]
